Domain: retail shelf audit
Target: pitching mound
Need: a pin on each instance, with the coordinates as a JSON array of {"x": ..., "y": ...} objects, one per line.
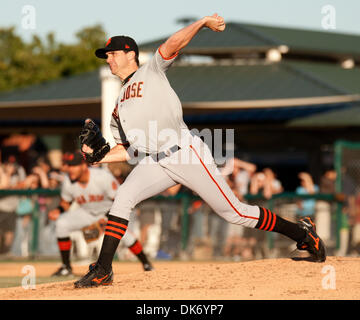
[{"x": 337, "y": 278}]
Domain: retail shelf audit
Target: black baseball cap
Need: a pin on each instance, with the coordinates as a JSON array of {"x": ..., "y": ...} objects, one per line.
[
  {"x": 73, "y": 158},
  {"x": 118, "y": 43}
]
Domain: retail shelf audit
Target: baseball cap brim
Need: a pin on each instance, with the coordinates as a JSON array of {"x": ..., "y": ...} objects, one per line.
[{"x": 101, "y": 53}]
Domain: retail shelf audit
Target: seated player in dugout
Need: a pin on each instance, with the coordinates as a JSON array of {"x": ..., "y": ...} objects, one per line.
[
  {"x": 94, "y": 190},
  {"x": 162, "y": 166}
]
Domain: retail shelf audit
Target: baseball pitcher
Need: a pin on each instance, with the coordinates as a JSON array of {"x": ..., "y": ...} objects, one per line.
[{"x": 171, "y": 154}]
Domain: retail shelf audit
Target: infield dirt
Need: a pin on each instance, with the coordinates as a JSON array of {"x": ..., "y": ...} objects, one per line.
[{"x": 274, "y": 279}]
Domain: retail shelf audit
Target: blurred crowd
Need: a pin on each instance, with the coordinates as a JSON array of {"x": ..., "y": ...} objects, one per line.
[
  {"x": 24, "y": 165},
  {"x": 162, "y": 227}
]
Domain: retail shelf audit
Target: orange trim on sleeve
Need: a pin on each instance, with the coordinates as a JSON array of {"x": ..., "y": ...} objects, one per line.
[{"x": 172, "y": 57}]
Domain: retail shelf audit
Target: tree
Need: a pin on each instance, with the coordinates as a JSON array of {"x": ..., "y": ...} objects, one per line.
[{"x": 23, "y": 64}]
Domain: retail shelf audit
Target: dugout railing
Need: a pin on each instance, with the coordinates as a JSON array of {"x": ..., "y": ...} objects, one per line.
[{"x": 279, "y": 203}]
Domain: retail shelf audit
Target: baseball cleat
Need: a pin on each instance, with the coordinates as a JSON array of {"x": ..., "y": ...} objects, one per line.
[
  {"x": 312, "y": 242},
  {"x": 96, "y": 276},
  {"x": 63, "y": 271},
  {"x": 148, "y": 267}
]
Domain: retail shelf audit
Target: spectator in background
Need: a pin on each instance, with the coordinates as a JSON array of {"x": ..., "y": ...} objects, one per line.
[
  {"x": 42, "y": 167},
  {"x": 196, "y": 222},
  {"x": 355, "y": 232},
  {"x": 48, "y": 245},
  {"x": 37, "y": 179},
  {"x": 49, "y": 179},
  {"x": 145, "y": 212},
  {"x": 349, "y": 212},
  {"x": 266, "y": 183},
  {"x": 11, "y": 175},
  {"x": 238, "y": 174},
  {"x": 29, "y": 148},
  {"x": 55, "y": 179},
  {"x": 325, "y": 208},
  {"x": 240, "y": 241},
  {"x": 170, "y": 226},
  {"x": 306, "y": 208},
  {"x": 272, "y": 184},
  {"x": 327, "y": 182},
  {"x": 218, "y": 229}
]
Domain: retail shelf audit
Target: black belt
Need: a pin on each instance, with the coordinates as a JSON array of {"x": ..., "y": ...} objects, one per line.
[
  {"x": 158, "y": 156},
  {"x": 164, "y": 154}
]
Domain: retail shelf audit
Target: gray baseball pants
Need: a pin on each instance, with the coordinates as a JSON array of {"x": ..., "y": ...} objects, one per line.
[{"x": 192, "y": 166}]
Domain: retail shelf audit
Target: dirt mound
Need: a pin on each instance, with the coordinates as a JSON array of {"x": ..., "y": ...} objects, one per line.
[{"x": 285, "y": 279}]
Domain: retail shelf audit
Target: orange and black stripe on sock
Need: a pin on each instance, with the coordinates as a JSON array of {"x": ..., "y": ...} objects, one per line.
[
  {"x": 269, "y": 221},
  {"x": 137, "y": 249},
  {"x": 115, "y": 229},
  {"x": 64, "y": 245}
]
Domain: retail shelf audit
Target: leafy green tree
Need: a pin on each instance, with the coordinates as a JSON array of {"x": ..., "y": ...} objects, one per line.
[{"x": 23, "y": 64}]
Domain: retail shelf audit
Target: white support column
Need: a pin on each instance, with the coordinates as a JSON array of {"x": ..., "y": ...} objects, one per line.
[{"x": 110, "y": 89}]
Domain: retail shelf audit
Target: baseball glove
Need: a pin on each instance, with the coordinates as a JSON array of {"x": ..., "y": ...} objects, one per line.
[
  {"x": 92, "y": 137},
  {"x": 94, "y": 231}
]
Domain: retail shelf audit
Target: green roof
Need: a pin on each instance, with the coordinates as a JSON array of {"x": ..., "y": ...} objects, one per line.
[
  {"x": 311, "y": 40},
  {"x": 240, "y": 37},
  {"x": 344, "y": 80},
  {"x": 244, "y": 82},
  {"x": 215, "y": 83},
  {"x": 85, "y": 85},
  {"x": 232, "y": 38}
]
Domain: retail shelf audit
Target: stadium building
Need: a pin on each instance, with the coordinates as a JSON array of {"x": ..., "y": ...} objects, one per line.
[{"x": 289, "y": 94}]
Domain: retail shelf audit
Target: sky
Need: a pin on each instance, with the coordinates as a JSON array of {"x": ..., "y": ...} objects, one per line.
[{"x": 146, "y": 20}]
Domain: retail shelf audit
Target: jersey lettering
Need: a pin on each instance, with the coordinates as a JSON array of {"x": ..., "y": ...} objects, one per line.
[
  {"x": 91, "y": 198},
  {"x": 139, "y": 87},
  {"x": 133, "y": 91},
  {"x": 127, "y": 92}
]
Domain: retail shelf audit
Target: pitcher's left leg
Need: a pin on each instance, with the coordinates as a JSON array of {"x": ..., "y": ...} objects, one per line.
[{"x": 202, "y": 176}]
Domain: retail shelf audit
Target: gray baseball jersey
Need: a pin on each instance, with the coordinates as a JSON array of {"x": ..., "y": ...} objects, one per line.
[
  {"x": 97, "y": 196},
  {"x": 146, "y": 98},
  {"x": 148, "y": 94}
]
